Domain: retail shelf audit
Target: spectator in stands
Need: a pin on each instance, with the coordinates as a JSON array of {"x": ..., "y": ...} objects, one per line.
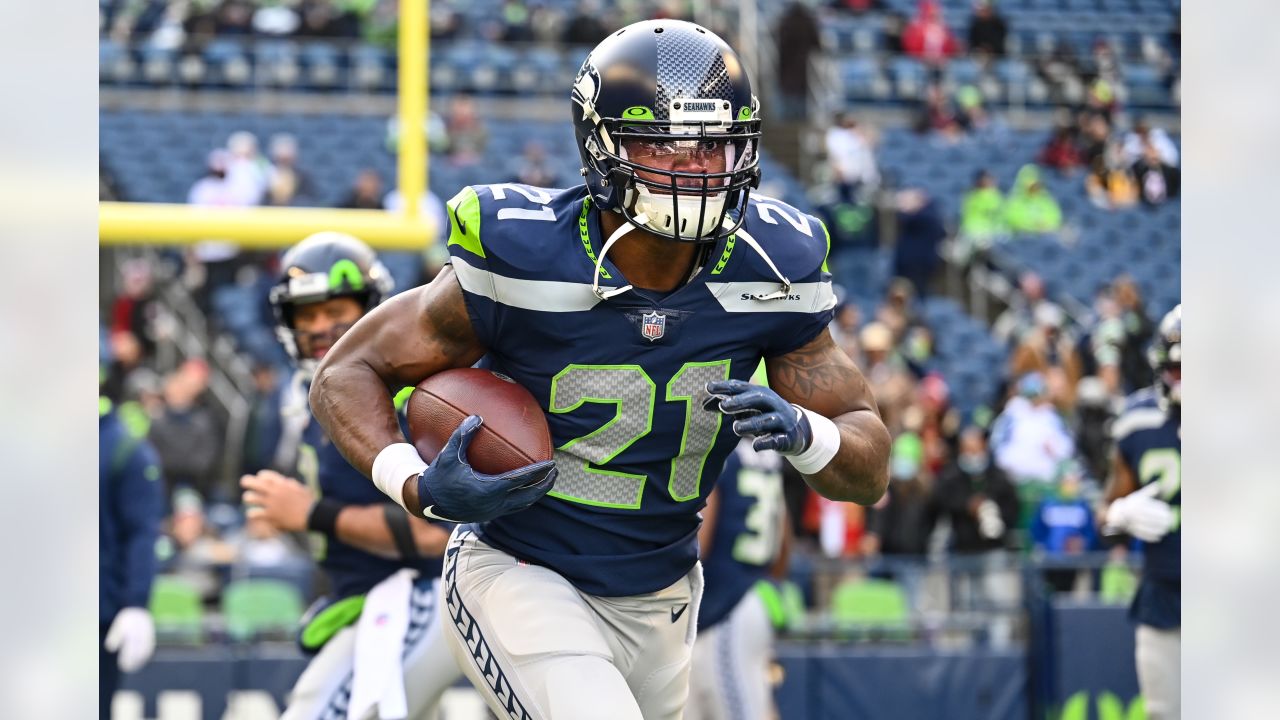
[
  {"x": 1019, "y": 317},
  {"x": 235, "y": 17},
  {"x": 937, "y": 114},
  {"x": 1093, "y": 421},
  {"x": 186, "y": 435},
  {"x": 1061, "y": 152},
  {"x": 901, "y": 522},
  {"x": 977, "y": 497},
  {"x": 1109, "y": 183},
  {"x": 852, "y": 159},
  {"x": 1100, "y": 97},
  {"x": 797, "y": 36},
  {"x": 1062, "y": 526},
  {"x": 1157, "y": 181},
  {"x": 287, "y": 185},
  {"x": 1094, "y": 131},
  {"x": 1135, "y": 368},
  {"x": 927, "y": 37},
  {"x": 192, "y": 551},
  {"x": 260, "y": 549},
  {"x": 898, "y": 312},
  {"x": 987, "y": 30},
  {"x": 467, "y": 134},
  {"x": 1142, "y": 135},
  {"x": 585, "y": 27},
  {"x": 533, "y": 168},
  {"x": 844, "y": 328},
  {"x": 263, "y": 429},
  {"x": 1050, "y": 349},
  {"x": 1030, "y": 208},
  {"x": 516, "y": 25},
  {"x": 981, "y": 220},
  {"x": 212, "y": 190},
  {"x": 248, "y": 172},
  {"x": 1106, "y": 338},
  {"x": 366, "y": 192},
  {"x": 325, "y": 18},
  {"x": 920, "y": 233},
  {"x": 135, "y": 309},
  {"x": 895, "y": 24},
  {"x": 1029, "y": 438},
  {"x": 886, "y": 373},
  {"x": 975, "y": 119}
]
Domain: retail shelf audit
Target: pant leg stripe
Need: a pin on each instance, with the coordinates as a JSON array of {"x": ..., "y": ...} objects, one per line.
[{"x": 473, "y": 637}]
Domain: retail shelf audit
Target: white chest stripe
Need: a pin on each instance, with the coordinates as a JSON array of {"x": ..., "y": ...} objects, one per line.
[
  {"x": 544, "y": 295},
  {"x": 808, "y": 297}
]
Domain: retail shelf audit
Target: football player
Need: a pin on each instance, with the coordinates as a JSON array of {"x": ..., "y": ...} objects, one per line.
[
  {"x": 1145, "y": 496},
  {"x": 635, "y": 308},
  {"x": 130, "y": 508},
  {"x": 742, "y": 537},
  {"x": 382, "y": 624}
]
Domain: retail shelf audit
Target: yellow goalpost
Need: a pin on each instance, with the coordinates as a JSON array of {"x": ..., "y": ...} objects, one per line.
[{"x": 122, "y": 223}]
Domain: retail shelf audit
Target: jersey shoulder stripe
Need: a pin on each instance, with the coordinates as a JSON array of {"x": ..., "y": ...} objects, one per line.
[{"x": 541, "y": 295}]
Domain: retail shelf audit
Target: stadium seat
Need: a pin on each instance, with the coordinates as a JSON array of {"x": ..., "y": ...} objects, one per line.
[
  {"x": 1117, "y": 585},
  {"x": 177, "y": 611},
  {"x": 257, "y": 607},
  {"x": 865, "y": 605}
]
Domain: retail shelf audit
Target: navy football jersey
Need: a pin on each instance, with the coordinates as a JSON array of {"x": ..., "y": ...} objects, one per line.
[
  {"x": 748, "y": 531},
  {"x": 622, "y": 379},
  {"x": 351, "y": 571},
  {"x": 1148, "y": 436}
]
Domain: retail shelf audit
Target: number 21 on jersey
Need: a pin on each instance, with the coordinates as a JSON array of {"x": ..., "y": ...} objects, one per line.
[{"x": 633, "y": 394}]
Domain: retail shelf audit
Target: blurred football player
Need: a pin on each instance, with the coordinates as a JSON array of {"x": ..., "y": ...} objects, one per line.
[
  {"x": 743, "y": 534},
  {"x": 130, "y": 507},
  {"x": 1145, "y": 496},
  {"x": 634, "y": 307},
  {"x": 378, "y": 645}
]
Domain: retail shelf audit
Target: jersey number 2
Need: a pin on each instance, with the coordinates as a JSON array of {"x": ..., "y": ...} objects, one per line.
[{"x": 632, "y": 392}]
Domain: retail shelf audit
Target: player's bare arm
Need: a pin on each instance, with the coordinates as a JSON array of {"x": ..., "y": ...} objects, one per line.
[
  {"x": 289, "y": 505},
  {"x": 1122, "y": 480},
  {"x": 821, "y": 378},
  {"x": 406, "y": 339}
]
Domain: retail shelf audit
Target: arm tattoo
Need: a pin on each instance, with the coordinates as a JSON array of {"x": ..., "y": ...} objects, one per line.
[{"x": 811, "y": 374}]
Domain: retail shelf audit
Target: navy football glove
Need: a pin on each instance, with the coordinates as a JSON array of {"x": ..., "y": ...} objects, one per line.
[
  {"x": 450, "y": 489},
  {"x": 760, "y": 412}
]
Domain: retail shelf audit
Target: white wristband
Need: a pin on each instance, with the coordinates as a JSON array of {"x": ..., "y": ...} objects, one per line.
[
  {"x": 825, "y": 444},
  {"x": 395, "y": 464}
]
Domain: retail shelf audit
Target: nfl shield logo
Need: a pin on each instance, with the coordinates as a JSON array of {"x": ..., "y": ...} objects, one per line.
[{"x": 653, "y": 325}]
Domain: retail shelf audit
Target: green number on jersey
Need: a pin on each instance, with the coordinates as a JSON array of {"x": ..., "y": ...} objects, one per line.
[
  {"x": 632, "y": 393},
  {"x": 759, "y": 543},
  {"x": 1163, "y": 466}
]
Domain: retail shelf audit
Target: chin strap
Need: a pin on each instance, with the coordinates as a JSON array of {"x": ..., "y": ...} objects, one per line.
[
  {"x": 781, "y": 293},
  {"x": 606, "y": 293}
]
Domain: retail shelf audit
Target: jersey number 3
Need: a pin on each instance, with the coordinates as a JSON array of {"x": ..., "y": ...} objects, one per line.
[{"x": 633, "y": 393}]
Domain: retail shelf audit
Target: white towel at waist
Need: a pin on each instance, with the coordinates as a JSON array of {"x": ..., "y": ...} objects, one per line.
[{"x": 379, "y": 673}]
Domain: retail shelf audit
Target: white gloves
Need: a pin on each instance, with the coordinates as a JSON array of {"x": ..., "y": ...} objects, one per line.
[
  {"x": 133, "y": 636},
  {"x": 1141, "y": 515},
  {"x": 990, "y": 524}
]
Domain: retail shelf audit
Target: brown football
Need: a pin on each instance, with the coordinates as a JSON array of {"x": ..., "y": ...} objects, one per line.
[{"x": 514, "y": 433}]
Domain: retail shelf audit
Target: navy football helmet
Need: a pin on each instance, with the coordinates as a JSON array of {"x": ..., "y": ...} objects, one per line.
[
  {"x": 324, "y": 266},
  {"x": 668, "y": 90},
  {"x": 1165, "y": 355}
]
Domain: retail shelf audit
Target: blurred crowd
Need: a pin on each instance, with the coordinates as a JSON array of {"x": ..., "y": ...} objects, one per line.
[{"x": 189, "y": 25}]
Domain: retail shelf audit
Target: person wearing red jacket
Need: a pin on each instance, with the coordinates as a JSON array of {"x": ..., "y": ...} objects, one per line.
[{"x": 927, "y": 36}]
